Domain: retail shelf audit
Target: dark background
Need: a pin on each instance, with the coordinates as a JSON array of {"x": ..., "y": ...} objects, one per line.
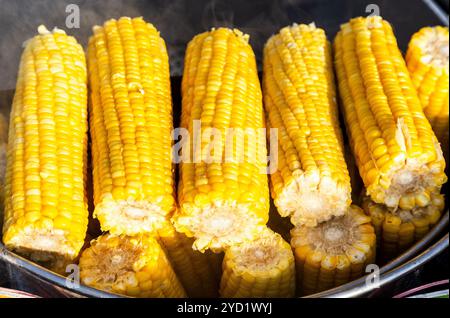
[{"x": 178, "y": 21}]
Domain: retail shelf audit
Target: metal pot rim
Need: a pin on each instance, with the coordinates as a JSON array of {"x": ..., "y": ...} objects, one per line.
[{"x": 398, "y": 267}]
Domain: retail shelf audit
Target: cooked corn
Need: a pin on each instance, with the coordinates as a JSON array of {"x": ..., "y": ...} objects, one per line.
[
  {"x": 261, "y": 268},
  {"x": 197, "y": 272},
  {"x": 133, "y": 266},
  {"x": 427, "y": 61},
  {"x": 46, "y": 211},
  {"x": 398, "y": 230},
  {"x": 312, "y": 183},
  {"x": 334, "y": 252},
  {"x": 222, "y": 201},
  {"x": 398, "y": 155},
  {"x": 131, "y": 126}
]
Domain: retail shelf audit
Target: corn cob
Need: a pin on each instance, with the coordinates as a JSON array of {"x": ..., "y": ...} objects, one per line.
[
  {"x": 398, "y": 230},
  {"x": 133, "y": 266},
  {"x": 427, "y": 61},
  {"x": 333, "y": 253},
  {"x": 131, "y": 124},
  {"x": 398, "y": 155},
  {"x": 263, "y": 267},
  {"x": 225, "y": 201},
  {"x": 311, "y": 183},
  {"x": 46, "y": 211},
  {"x": 197, "y": 272}
]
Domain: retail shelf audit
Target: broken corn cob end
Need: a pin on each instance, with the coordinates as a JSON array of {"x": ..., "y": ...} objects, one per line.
[
  {"x": 334, "y": 252},
  {"x": 132, "y": 266},
  {"x": 263, "y": 267}
]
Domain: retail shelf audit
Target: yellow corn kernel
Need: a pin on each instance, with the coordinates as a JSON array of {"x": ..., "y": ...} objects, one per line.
[
  {"x": 334, "y": 252},
  {"x": 47, "y": 152},
  {"x": 395, "y": 148},
  {"x": 263, "y": 267},
  {"x": 131, "y": 125},
  {"x": 133, "y": 266},
  {"x": 312, "y": 182},
  {"x": 223, "y": 192}
]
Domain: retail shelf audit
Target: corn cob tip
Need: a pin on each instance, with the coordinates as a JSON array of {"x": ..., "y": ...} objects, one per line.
[
  {"x": 433, "y": 44},
  {"x": 42, "y": 30}
]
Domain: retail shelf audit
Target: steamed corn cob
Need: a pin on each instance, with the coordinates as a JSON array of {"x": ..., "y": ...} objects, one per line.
[
  {"x": 427, "y": 61},
  {"x": 398, "y": 155},
  {"x": 334, "y": 252},
  {"x": 398, "y": 230},
  {"x": 197, "y": 272},
  {"x": 312, "y": 183},
  {"x": 225, "y": 200},
  {"x": 46, "y": 211},
  {"x": 263, "y": 267},
  {"x": 131, "y": 124},
  {"x": 133, "y": 266}
]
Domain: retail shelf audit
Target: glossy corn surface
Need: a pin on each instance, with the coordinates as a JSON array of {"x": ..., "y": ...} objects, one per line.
[
  {"x": 46, "y": 212},
  {"x": 130, "y": 126},
  {"x": 223, "y": 193}
]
